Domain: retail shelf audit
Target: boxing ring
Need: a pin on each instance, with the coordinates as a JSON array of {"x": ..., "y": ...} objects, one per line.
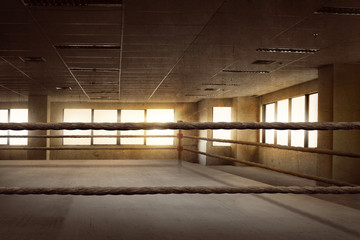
[{"x": 169, "y": 199}]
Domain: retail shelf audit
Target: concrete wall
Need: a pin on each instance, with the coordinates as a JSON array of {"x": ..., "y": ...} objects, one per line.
[
  {"x": 205, "y": 108},
  {"x": 186, "y": 112},
  {"x": 346, "y": 108}
]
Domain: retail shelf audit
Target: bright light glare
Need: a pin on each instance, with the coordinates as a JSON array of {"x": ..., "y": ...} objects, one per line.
[
  {"x": 105, "y": 116},
  {"x": 3, "y": 119},
  {"x": 77, "y": 115},
  {"x": 18, "y": 115},
  {"x": 298, "y": 115},
  {"x": 160, "y": 115},
  {"x": 313, "y": 117},
  {"x": 269, "y": 117},
  {"x": 132, "y": 116},
  {"x": 222, "y": 114},
  {"x": 282, "y": 116}
]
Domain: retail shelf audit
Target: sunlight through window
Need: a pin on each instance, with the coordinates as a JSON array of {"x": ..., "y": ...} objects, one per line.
[
  {"x": 282, "y": 116},
  {"x": 313, "y": 117},
  {"x": 160, "y": 115},
  {"x": 77, "y": 115},
  {"x": 18, "y": 116},
  {"x": 132, "y": 116},
  {"x": 105, "y": 116},
  {"x": 3, "y": 119},
  {"x": 269, "y": 117},
  {"x": 221, "y": 114},
  {"x": 298, "y": 115}
]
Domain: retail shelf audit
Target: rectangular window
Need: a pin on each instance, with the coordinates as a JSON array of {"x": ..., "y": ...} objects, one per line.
[
  {"x": 270, "y": 117},
  {"x": 105, "y": 116},
  {"x": 313, "y": 117},
  {"x": 132, "y": 116},
  {"x": 221, "y": 114},
  {"x": 298, "y": 115},
  {"x": 18, "y": 116},
  {"x": 160, "y": 115},
  {"x": 282, "y": 116},
  {"x": 4, "y": 118},
  {"x": 77, "y": 115}
]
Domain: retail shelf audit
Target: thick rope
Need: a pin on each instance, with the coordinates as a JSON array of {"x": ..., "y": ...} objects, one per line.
[
  {"x": 182, "y": 125},
  {"x": 299, "y": 149},
  {"x": 88, "y": 148},
  {"x": 311, "y": 177},
  {"x": 99, "y": 191},
  {"x": 86, "y": 136}
]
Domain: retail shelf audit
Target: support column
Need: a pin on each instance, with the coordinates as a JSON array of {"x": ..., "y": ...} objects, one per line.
[{"x": 38, "y": 112}]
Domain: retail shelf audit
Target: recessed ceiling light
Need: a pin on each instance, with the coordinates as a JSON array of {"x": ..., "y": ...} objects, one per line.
[
  {"x": 263, "y": 62},
  {"x": 241, "y": 71},
  {"x": 338, "y": 11},
  {"x": 88, "y": 46},
  {"x": 63, "y": 88},
  {"x": 287, "y": 50},
  {"x": 72, "y": 3},
  {"x": 32, "y": 59},
  {"x": 95, "y": 69}
]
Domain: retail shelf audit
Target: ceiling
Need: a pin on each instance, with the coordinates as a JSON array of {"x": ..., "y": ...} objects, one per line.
[{"x": 169, "y": 50}]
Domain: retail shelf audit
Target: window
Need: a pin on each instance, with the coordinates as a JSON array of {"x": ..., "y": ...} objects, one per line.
[
  {"x": 160, "y": 115},
  {"x": 111, "y": 116},
  {"x": 221, "y": 114},
  {"x": 269, "y": 117},
  {"x": 18, "y": 116},
  {"x": 132, "y": 116},
  {"x": 4, "y": 117},
  {"x": 282, "y": 136},
  {"x": 298, "y": 109},
  {"x": 298, "y": 115},
  {"x": 77, "y": 115},
  {"x": 105, "y": 116}
]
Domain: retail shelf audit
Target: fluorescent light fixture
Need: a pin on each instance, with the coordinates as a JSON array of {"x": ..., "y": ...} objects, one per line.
[
  {"x": 242, "y": 71},
  {"x": 72, "y": 3},
  {"x": 95, "y": 69},
  {"x": 338, "y": 11},
  {"x": 287, "y": 50},
  {"x": 89, "y": 46},
  {"x": 32, "y": 59}
]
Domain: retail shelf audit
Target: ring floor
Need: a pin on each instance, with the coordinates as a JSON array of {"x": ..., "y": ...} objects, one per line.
[{"x": 226, "y": 216}]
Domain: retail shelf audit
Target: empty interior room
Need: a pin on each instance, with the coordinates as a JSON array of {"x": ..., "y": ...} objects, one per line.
[{"x": 131, "y": 70}]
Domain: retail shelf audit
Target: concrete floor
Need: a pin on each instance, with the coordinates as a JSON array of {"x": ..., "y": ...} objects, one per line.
[{"x": 265, "y": 216}]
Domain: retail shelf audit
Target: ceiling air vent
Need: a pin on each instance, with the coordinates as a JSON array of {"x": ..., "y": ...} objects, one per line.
[
  {"x": 72, "y": 3},
  {"x": 63, "y": 88},
  {"x": 241, "y": 71},
  {"x": 221, "y": 84},
  {"x": 88, "y": 46},
  {"x": 338, "y": 11},
  {"x": 263, "y": 62},
  {"x": 32, "y": 59},
  {"x": 95, "y": 69},
  {"x": 287, "y": 50}
]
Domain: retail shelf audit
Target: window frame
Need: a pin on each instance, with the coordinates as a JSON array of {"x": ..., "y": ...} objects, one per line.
[
  {"x": 8, "y": 131},
  {"x": 221, "y": 144},
  {"x": 307, "y": 107}
]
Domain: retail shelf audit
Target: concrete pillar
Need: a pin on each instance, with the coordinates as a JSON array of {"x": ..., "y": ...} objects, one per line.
[
  {"x": 346, "y": 108},
  {"x": 38, "y": 112},
  {"x": 325, "y": 114},
  {"x": 245, "y": 109}
]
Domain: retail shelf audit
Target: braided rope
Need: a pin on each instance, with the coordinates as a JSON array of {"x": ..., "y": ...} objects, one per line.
[
  {"x": 86, "y": 136},
  {"x": 182, "y": 125},
  {"x": 300, "y": 149},
  {"x": 311, "y": 177},
  {"x": 99, "y": 191},
  {"x": 88, "y": 148}
]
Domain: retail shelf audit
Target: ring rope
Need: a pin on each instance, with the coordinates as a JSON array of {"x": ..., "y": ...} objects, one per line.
[
  {"x": 100, "y": 191},
  {"x": 300, "y": 149},
  {"x": 87, "y": 148},
  {"x": 183, "y": 125},
  {"x": 86, "y": 136},
  {"x": 311, "y": 177}
]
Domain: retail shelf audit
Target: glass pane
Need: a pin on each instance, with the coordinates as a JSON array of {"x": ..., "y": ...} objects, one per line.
[
  {"x": 132, "y": 116},
  {"x": 313, "y": 117},
  {"x": 3, "y": 119},
  {"x": 221, "y": 114},
  {"x": 105, "y": 116},
  {"x": 18, "y": 115},
  {"x": 270, "y": 117},
  {"x": 282, "y": 116},
  {"x": 160, "y": 115},
  {"x": 298, "y": 115},
  {"x": 77, "y": 115}
]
